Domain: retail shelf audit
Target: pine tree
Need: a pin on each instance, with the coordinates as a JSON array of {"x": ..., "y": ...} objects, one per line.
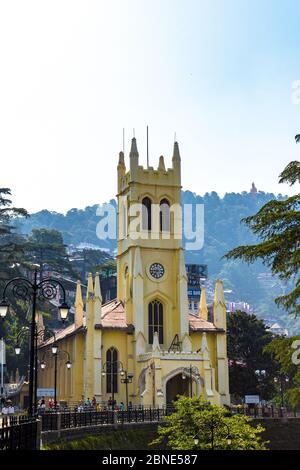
[{"x": 277, "y": 224}]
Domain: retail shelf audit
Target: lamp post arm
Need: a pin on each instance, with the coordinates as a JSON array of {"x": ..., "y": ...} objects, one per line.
[
  {"x": 17, "y": 280},
  {"x": 48, "y": 280}
]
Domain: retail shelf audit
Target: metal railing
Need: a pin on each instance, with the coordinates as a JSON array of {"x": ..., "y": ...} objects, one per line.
[
  {"x": 53, "y": 421},
  {"x": 267, "y": 411},
  {"x": 19, "y": 433}
]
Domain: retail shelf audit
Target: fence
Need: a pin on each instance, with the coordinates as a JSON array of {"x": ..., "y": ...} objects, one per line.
[
  {"x": 256, "y": 411},
  {"x": 52, "y": 421},
  {"x": 19, "y": 433}
]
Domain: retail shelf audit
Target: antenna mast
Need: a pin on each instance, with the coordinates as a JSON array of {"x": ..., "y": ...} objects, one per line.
[{"x": 147, "y": 148}]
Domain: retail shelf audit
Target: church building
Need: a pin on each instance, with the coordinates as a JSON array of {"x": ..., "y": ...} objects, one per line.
[{"x": 146, "y": 336}]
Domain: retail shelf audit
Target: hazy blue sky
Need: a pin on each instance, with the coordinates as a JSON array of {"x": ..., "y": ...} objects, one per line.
[{"x": 74, "y": 73}]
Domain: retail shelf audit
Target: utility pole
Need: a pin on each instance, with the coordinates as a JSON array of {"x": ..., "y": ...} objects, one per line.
[{"x": 2, "y": 366}]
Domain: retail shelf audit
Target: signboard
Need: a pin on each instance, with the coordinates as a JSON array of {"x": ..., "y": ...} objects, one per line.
[
  {"x": 45, "y": 392},
  {"x": 252, "y": 399}
]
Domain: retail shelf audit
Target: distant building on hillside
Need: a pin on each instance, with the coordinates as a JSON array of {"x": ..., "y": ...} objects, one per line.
[
  {"x": 253, "y": 190},
  {"x": 277, "y": 329},
  {"x": 243, "y": 306}
]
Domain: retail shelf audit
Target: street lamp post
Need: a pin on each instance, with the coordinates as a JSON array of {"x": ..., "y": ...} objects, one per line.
[
  {"x": 190, "y": 371},
  {"x": 112, "y": 368},
  {"x": 260, "y": 374},
  {"x": 126, "y": 380},
  {"x": 38, "y": 333},
  {"x": 212, "y": 425},
  {"x": 282, "y": 379},
  {"x": 24, "y": 289},
  {"x": 55, "y": 353}
]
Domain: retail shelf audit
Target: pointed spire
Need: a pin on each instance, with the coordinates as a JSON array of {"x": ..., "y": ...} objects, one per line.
[
  {"x": 204, "y": 346},
  {"x": 176, "y": 154},
  {"x": 90, "y": 287},
  {"x": 134, "y": 151},
  {"x": 219, "y": 307},
  {"x": 97, "y": 290},
  {"x": 161, "y": 165},
  {"x": 78, "y": 306},
  {"x": 137, "y": 268},
  {"x": 203, "y": 310},
  {"x": 219, "y": 293},
  {"x": 121, "y": 159}
]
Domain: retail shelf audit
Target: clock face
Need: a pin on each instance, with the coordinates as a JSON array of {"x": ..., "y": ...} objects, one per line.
[{"x": 157, "y": 270}]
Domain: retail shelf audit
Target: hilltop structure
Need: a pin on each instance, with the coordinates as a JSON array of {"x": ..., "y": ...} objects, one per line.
[{"x": 147, "y": 330}]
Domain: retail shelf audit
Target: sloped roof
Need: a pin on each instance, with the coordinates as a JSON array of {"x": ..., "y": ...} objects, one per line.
[
  {"x": 199, "y": 324},
  {"x": 113, "y": 317}
]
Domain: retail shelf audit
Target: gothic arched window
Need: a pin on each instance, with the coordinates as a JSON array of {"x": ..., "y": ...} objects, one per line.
[
  {"x": 111, "y": 370},
  {"x": 164, "y": 215},
  {"x": 155, "y": 321},
  {"x": 146, "y": 213}
]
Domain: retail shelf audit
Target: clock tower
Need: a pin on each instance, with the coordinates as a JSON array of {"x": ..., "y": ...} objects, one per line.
[{"x": 152, "y": 280}]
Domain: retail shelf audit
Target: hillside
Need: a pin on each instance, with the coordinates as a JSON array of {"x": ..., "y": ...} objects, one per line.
[{"x": 222, "y": 231}]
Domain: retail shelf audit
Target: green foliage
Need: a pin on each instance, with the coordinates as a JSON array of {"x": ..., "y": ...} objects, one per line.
[
  {"x": 277, "y": 224},
  {"x": 247, "y": 341},
  {"x": 212, "y": 425},
  {"x": 45, "y": 247},
  {"x": 282, "y": 350}
]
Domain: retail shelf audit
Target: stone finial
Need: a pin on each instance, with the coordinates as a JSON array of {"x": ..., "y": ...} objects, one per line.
[
  {"x": 203, "y": 310},
  {"x": 90, "y": 287},
  {"x": 176, "y": 154},
  {"x": 134, "y": 151},
  {"x": 161, "y": 165},
  {"x": 78, "y": 306},
  {"x": 97, "y": 289}
]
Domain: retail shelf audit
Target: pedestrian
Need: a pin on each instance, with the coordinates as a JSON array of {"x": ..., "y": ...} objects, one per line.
[
  {"x": 5, "y": 410},
  {"x": 110, "y": 402},
  {"x": 122, "y": 406},
  {"x": 11, "y": 410},
  {"x": 94, "y": 402}
]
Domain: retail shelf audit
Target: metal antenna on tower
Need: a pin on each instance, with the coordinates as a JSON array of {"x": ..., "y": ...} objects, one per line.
[
  {"x": 133, "y": 133},
  {"x": 175, "y": 137},
  {"x": 123, "y": 141},
  {"x": 147, "y": 148}
]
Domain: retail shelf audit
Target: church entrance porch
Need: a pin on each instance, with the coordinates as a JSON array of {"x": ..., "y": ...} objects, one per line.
[{"x": 176, "y": 386}]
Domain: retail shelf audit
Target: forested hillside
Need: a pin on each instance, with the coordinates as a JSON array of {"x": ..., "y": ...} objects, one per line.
[{"x": 222, "y": 232}]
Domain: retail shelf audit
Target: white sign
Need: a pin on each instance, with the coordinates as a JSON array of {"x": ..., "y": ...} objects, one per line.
[
  {"x": 45, "y": 392},
  {"x": 251, "y": 399},
  {"x": 2, "y": 352}
]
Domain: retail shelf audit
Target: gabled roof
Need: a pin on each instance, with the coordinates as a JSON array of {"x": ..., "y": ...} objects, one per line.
[{"x": 113, "y": 317}]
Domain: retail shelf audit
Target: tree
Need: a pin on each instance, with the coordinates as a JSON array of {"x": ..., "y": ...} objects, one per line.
[
  {"x": 247, "y": 341},
  {"x": 11, "y": 244},
  {"x": 282, "y": 350},
  {"x": 45, "y": 247},
  {"x": 198, "y": 425},
  {"x": 277, "y": 224}
]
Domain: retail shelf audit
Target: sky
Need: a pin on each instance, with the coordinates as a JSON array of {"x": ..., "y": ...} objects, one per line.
[{"x": 223, "y": 74}]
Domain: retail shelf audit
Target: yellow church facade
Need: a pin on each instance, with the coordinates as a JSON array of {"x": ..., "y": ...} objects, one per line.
[{"x": 147, "y": 330}]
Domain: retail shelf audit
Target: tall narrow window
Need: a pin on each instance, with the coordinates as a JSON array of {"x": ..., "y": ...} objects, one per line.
[
  {"x": 112, "y": 371},
  {"x": 155, "y": 321},
  {"x": 146, "y": 213},
  {"x": 164, "y": 215}
]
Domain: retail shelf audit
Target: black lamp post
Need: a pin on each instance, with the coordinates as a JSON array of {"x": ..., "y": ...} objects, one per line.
[
  {"x": 282, "y": 380},
  {"x": 190, "y": 372},
  {"x": 56, "y": 353},
  {"x": 24, "y": 289},
  {"x": 112, "y": 368},
  {"x": 38, "y": 334},
  {"x": 212, "y": 425},
  {"x": 127, "y": 379}
]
